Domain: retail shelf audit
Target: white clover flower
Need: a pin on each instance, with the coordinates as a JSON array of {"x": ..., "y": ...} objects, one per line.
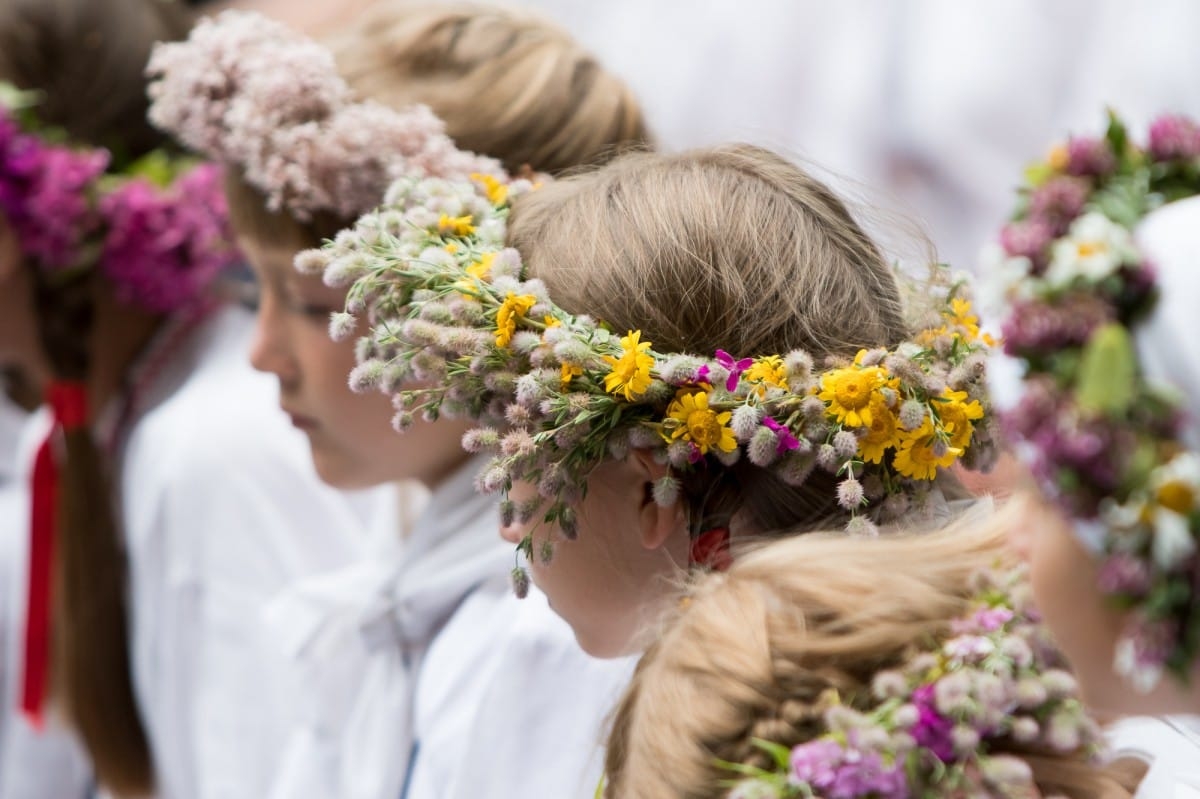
[{"x": 1093, "y": 249}]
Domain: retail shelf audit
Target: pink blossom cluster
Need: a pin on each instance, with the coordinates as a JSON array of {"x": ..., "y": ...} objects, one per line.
[
  {"x": 249, "y": 92},
  {"x": 44, "y": 194},
  {"x": 160, "y": 248}
]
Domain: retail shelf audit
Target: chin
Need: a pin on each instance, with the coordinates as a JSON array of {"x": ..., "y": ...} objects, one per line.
[{"x": 337, "y": 473}]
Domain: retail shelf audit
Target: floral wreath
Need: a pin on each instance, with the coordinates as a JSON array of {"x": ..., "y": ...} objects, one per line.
[
  {"x": 1104, "y": 441},
  {"x": 558, "y": 393},
  {"x": 158, "y": 230},
  {"x": 942, "y": 723},
  {"x": 250, "y": 92}
]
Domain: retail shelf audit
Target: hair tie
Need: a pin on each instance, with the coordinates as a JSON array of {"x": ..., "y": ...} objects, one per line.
[
  {"x": 710, "y": 550},
  {"x": 68, "y": 400}
]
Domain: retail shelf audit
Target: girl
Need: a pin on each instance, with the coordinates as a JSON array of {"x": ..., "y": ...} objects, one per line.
[
  {"x": 915, "y": 667},
  {"x": 155, "y": 661},
  {"x": 456, "y": 683},
  {"x": 628, "y": 451},
  {"x": 1098, "y": 335}
]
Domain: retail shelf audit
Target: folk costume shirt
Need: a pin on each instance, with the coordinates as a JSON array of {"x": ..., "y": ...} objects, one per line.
[{"x": 221, "y": 509}]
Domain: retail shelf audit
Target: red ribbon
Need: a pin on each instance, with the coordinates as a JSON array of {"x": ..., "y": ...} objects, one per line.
[
  {"x": 68, "y": 401},
  {"x": 711, "y": 549}
]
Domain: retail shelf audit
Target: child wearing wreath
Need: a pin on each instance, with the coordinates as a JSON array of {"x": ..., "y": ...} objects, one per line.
[
  {"x": 1100, "y": 382},
  {"x": 422, "y": 675},
  {"x": 157, "y": 491}
]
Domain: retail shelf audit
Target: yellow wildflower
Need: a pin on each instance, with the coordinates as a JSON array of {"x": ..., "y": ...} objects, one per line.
[
  {"x": 1058, "y": 158},
  {"x": 700, "y": 424},
  {"x": 497, "y": 192},
  {"x": 956, "y": 416},
  {"x": 848, "y": 393},
  {"x": 630, "y": 373},
  {"x": 551, "y": 321},
  {"x": 482, "y": 268},
  {"x": 961, "y": 314},
  {"x": 882, "y": 432},
  {"x": 767, "y": 371},
  {"x": 455, "y": 225},
  {"x": 451, "y": 248},
  {"x": 917, "y": 457},
  {"x": 570, "y": 371},
  {"x": 510, "y": 312}
]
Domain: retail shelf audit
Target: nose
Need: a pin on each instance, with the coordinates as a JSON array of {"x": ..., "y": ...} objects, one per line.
[
  {"x": 271, "y": 350},
  {"x": 512, "y": 533}
]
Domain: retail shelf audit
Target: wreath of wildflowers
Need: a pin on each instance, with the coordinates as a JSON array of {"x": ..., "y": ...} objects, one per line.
[
  {"x": 158, "y": 230},
  {"x": 944, "y": 722},
  {"x": 1104, "y": 441},
  {"x": 457, "y": 331},
  {"x": 249, "y": 92}
]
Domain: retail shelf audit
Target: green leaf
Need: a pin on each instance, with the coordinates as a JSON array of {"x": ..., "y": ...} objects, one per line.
[{"x": 1107, "y": 372}]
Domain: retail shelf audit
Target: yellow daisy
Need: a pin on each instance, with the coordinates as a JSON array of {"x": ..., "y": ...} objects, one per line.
[
  {"x": 510, "y": 312},
  {"x": 455, "y": 225},
  {"x": 848, "y": 393},
  {"x": 630, "y": 373},
  {"x": 916, "y": 456},
  {"x": 767, "y": 371},
  {"x": 570, "y": 371},
  {"x": 497, "y": 192},
  {"x": 699, "y": 424},
  {"x": 956, "y": 416},
  {"x": 883, "y": 433}
]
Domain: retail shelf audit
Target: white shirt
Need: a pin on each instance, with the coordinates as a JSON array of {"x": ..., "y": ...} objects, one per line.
[
  {"x": 433, "y": 645},
  {"x": 221, "y": 509},
  {"x": 1171, "y": 745}
]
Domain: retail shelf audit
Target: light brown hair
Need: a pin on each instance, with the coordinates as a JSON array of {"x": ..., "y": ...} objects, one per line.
[
  {"x": 86, "y": 59},
  {"x": 507, "y": 84},
  {"x": 754, "y": 648},
  {"x": 732, "y": 247}
]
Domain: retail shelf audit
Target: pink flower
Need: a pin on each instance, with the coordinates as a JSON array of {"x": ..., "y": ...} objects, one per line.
[
  {"x": 1174, "y": 137},
  {"x": 1090, "y": 156}
]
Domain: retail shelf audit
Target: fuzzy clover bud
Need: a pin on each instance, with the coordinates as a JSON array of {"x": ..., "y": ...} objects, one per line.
[
  {"x": 952, "y": 693},
  {"x": 896, "y": 506},
  {"x": 845, "y": 444},
  {"x": 568, "y": 522},
  {"x": 1017, "y": 651},
  {"x": 530, "y": 391},
  {"x": 666, "y": 491},
  {"x": 517, "y": 415},
  {"x": 311, "y": 262},
  {"x": 618, "y": 444},
  {"x": 964, "y": 739},
  {"x": 402, "y": 421},
  {"x": 546, "y": 552},
  {"x": 1059, "y": 684},
  {"x": 906, "y": 716},
  {"x": 524, "y": 342},
  {"x": 342, "y": 325},
  {"x": 573, "y": 352},
  {"x": 551, "y": 482},
  {"x": 527, "y": 509},
  {"x": 432, "y": 413},
  {"x": 494, "y": 478},
  {"x": 565, "y": 438},
  {"x": 644, "y": 437},
  {"x": 680, "y": 370},
  {"x": 861, "y": 527},
  {"x": 680, "y": 455},
  {"x": 1064, "y": 732},
  {"x": 798, "y": 364},
  {"x": 873, "y": 357},
  {"x": 850, "y": 494},
  {"x": 828, "y": 458},
  {"x": 912, "y": 414},
  {"x": 889, "y": 685},
  {"x": 939, "y": 448},
  {"x": 366, "y": 376},
  {"x": 795, "y": 468},
  {"x": 517, "y": 443},
  {"x": 728, "y": 458},
  {"x": 1024, "y": 729},
  {"x": 657, "y": 393},
  {"x": 420, "y": 333},
  {"x": 436, "y": 312},
  {"x": 1010, "y": 774},
  {"x": 508, "y": 512},
  {"x": 813, "y": 408},
  {"x": 763, "y": 448},
  {"x": 428, "y": 366},
  {"x": 934, "y": 384},
  {"x": 890, "y": 396},
  {"x": 393, "y": 377},
  {"x": 520, "y": 582},
  {"x": 480, "y": 439},
  {"x": 873, "y": 487},
  {"x": 500, "y": 382},
  {"x": 1031, "y": 693},
  {"x": 341, "y": 272}
]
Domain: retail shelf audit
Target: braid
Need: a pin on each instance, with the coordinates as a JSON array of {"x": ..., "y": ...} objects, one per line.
[{"x": 91, "y": 670}]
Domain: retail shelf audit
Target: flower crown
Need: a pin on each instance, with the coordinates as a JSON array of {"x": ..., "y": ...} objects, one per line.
[
  {"x": 158, "y": 230},
  {"x": 558, "y": 393},
  {"x": 940, "y": 724},
  {"x": 247, "y": 91},
  {"x": 1104, "y": 441}
]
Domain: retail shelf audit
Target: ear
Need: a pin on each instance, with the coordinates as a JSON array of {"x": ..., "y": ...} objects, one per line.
[{"x": 657, "y": 524}]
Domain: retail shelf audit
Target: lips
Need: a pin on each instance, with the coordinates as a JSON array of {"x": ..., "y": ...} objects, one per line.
[{"x": 300, "y": 421}]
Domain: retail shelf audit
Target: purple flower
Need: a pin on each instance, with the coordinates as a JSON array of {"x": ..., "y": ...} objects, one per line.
[
  {"x": 787, "y": 440},
  {"x": 1036, "y": 326},
  {"x": 992, "y": 619},
  {"x": 932, "y": 730},
  {"x": 1174, "y": 137},
  {"x": 846, "y": 773},
  {"x": 1090, "y": 156},
  {"x": 1122, "y": 573},
  {"x": 1056, "y": 203},
  {"x": 1027, "y": 238},
  {"x": 735, "y": 368}
]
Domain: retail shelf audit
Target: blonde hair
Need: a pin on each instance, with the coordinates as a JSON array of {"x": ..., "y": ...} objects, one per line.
[
  {"x": 734, "y": 248},
  {"x": 755, "y": 647},
  {"x": 508, "y": 85}
]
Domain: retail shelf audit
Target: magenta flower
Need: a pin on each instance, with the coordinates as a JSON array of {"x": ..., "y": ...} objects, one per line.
[
  {"x": 932, "y": 730},
  {"x": 1174, "y": 137},
  {"x": 1057, "y": 202},
  {"x": 735, "y": 368},
  {"x": 1090, "y": 156},
  {"x": 787, "y": 440}
]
